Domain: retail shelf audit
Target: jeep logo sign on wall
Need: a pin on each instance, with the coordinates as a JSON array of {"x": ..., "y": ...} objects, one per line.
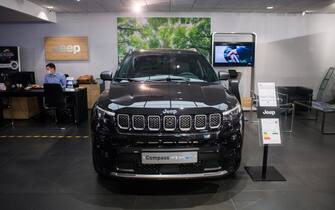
[{"x": 66, "y": 48}]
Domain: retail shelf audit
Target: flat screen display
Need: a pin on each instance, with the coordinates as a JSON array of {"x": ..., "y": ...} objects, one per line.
[{"x": 234, "y": 54}]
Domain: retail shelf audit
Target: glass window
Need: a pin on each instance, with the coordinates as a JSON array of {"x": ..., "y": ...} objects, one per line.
[{"x": 191, "y": 67}]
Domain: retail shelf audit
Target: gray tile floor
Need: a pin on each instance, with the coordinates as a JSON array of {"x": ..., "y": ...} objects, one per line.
[{"x": 46, "y": 174}]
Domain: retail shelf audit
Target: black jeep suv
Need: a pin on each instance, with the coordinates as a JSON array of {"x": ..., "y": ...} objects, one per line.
[{"x": 166, "y": 115}]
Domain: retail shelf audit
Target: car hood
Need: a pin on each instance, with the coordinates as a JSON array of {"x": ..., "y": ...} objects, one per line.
[{"x": 167, "y": 95}]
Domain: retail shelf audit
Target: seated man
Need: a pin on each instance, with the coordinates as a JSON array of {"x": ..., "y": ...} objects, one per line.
[{"x": 53, "y": 77}]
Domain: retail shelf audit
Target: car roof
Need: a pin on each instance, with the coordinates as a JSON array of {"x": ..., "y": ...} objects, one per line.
[{"x": 164, "y": 51}]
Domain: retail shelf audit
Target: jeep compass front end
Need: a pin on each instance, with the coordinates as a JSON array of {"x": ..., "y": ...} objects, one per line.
[{"x": 166, "y": 116}]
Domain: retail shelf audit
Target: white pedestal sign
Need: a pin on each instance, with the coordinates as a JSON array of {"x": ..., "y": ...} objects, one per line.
[
  {"x": 270, "y": 129},
  {"x": 268, "y": 113}
]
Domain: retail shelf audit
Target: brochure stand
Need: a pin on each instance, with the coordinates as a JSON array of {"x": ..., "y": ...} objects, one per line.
[
  {"x": 268, "y": 113},
  {"x": 264, "y": 172}
]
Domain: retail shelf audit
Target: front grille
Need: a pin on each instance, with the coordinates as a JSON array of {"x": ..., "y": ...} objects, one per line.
[
  {"x": 169, "y": 122},
  {"x": 200, "y": 122},
  {"x": 123, "y": 121},
  {"x": 138, "y": 122},
  {"x": 169, "y": 169},
  {"x": 214, "y": 121},
  {"x": 185, "y": 122},
  {"x": 154, "y": 123}
]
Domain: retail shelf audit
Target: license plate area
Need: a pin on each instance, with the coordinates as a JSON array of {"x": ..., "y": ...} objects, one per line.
[{"x": 169, "y": 157}]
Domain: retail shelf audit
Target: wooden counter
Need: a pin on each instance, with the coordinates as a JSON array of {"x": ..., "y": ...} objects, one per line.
[
  {"x": 21, "y": 108},
  {"x": 93, "y": 92}
]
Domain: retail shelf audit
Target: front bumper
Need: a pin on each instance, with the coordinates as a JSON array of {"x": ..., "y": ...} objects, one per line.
[
  {"x": 213, "y": 159},
  {"x": 170, "y": 176}
]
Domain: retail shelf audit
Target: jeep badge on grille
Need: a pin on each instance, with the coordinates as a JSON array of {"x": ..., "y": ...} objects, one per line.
[{"x": 170, "y": 111}]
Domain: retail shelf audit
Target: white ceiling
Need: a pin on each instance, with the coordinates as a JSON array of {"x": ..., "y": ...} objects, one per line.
[
  {"x": 12, "y": 16},
  {"x": 280, "y": 6}
]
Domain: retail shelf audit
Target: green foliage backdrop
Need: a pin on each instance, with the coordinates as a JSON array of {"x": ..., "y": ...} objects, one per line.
[{"x": 161, "y": 32}]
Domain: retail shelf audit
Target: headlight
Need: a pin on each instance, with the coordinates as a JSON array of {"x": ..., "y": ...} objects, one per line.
[
  {"x": 102, "y": 112},
  {"x": 232, "y": 113}
]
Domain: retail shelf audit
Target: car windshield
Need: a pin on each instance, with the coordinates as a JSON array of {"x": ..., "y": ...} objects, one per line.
[{"x": 173, "y": 66}]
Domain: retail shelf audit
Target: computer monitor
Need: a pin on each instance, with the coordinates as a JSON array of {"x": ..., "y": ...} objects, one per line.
[
  {"x": 4, "y": 75},
  {"x": 24, "y": 78}
]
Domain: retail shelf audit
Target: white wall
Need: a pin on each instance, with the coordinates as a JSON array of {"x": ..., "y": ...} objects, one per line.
[{"x": 291, "y": 50}]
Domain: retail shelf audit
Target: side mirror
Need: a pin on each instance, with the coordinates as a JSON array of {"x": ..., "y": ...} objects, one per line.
[
  {"x": 106, "y": 75},
  {"x": 233, "y": 73},
  {"x": 223, "y": 75}
]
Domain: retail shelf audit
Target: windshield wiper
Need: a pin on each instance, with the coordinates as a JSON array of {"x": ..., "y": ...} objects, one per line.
[
  {"x": 181, "y": 78},
  {"x": 171, "y": 79},
  {"x": 128, "y": 79}
]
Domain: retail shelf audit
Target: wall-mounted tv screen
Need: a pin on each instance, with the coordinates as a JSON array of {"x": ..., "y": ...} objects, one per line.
[{"x": 234, "y": 54}]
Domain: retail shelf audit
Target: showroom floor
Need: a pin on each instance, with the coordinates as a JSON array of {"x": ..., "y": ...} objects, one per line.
[{"x": 48, "y": 169}]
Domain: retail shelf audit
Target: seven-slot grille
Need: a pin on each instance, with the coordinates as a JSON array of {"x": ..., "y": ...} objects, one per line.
[
  {"x": 169, "y": 122},
  {"x": 200, "y": 122},
  {"x": 214, "y": 120},
  {"x": 185, "y": 122},
  {"x": 154, "y": 123},
  {"x": 138, "y": 122},
  {"x": 123, "y": 121}
]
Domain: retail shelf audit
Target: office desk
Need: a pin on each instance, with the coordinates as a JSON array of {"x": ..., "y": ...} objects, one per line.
[{"x": 79, "y": 96}]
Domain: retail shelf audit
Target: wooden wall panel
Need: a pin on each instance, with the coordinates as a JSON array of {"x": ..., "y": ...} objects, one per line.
[{"x": 66, "y": 48}]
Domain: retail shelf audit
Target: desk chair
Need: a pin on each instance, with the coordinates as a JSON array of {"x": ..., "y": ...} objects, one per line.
[
  {"x": 286, "y": 108},
  {"x": 54, "y": 99}
]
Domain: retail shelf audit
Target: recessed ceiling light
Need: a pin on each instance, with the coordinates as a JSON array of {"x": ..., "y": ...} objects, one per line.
[
  {"x": 269, "y": 7},
  {"x": 78, "y": 0},
  {"x": 137, "y": 8},
  {"x": 307, "y": 12},
  {"x": 49, "y": 7}
]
